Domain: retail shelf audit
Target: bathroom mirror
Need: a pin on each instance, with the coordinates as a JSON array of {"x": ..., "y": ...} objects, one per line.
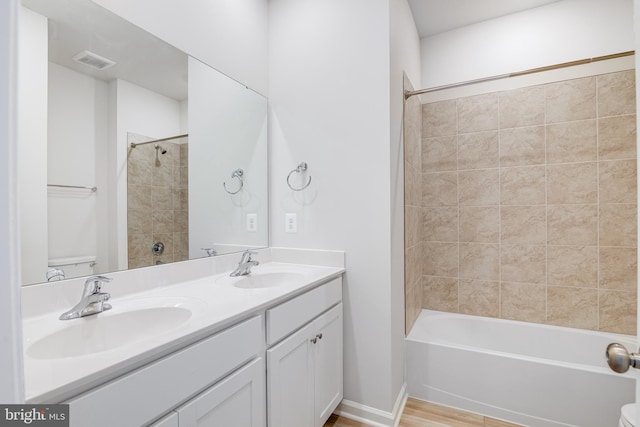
[{"x": 116, "y": 197}]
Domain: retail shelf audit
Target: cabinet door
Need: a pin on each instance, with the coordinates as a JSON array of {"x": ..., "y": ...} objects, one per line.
[
  {"x": 236, "y": 401},
  {"x": 170, "y": 420},
  {"x": 328, "y": 364},
  {"x": 290, "y": 381}
]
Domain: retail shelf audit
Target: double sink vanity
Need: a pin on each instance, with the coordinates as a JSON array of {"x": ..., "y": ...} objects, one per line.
[{"x": 189, "y": 345}]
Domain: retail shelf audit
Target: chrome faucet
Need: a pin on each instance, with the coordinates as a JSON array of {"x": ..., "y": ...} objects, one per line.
[
  {"x": 245, "y": 264},
  {"x": 92, "y": 301}
]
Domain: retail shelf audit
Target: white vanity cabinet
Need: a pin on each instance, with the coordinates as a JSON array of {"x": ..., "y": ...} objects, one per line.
[
  {"x": 304, "y": 370},
  {"x": 219, "y": 362},
  {"x": 236, "y": 401}
]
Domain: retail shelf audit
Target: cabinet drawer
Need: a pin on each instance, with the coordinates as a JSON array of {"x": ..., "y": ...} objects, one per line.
[
  {"x": 139, "y": 397},
  {"x": 291, "y": 315}
]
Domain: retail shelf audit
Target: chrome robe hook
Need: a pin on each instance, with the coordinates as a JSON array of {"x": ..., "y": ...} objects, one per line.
[
  {"x": 301, "y": 168},
  {"x": 238, "y": 173}
]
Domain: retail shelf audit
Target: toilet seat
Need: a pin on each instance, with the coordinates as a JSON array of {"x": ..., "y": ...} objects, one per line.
[{"x": 627, "y": 415}]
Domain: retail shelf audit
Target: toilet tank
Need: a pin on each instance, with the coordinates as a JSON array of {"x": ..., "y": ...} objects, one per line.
[{"x": 75, "y": 266}]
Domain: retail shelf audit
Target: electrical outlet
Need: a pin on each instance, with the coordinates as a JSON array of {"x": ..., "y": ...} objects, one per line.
[
  {"x": 252, "y": 222},
  {"x": 291, "y": 223}
]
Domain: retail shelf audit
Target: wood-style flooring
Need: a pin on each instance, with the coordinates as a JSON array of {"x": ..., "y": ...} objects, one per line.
[{"x": 418, "y": 413}]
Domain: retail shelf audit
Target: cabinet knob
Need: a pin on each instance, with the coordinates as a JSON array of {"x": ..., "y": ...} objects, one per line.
[
  {"x": 319, "y": 336},
  {"x": 314, "y": 339}
]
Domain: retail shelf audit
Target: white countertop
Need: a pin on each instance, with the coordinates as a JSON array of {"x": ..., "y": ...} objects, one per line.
[{"x": 214, "y": 304}]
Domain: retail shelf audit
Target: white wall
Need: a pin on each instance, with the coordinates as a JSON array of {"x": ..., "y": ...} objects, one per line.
[
  {"x": 32, "y": 148},
  {"x": 137, "y": 110},
  {"x": 11, "y": 367},
  {"x": 77, "y": 134},
  {"x": 559, "y": 32},
  {"x": 230, "y": 36},
  {"x": 228, "y": 131},
  {"x": 404, "y": 58},
  {"x": 329, "y": 96}
]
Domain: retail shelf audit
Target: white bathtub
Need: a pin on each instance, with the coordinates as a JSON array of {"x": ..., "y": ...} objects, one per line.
[{"x": 526, "y": 373}]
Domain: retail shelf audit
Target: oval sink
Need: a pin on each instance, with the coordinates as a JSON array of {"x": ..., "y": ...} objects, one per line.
[
  {"x": 106, "y": 331},
  {"x": 263, "y": 280}
]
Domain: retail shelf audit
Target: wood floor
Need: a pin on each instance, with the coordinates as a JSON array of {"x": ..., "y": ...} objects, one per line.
[{"x": 418, "y": 413}]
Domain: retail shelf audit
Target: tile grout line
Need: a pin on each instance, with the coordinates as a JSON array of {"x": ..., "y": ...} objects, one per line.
[
  {"x": 597, "y": 118},
  {"x": 499, "y": 212},
  {"x": 458, "y": 200},
  {"x": 546, "y": 212}
]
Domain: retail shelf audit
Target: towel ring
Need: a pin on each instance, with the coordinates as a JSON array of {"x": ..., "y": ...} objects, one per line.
[
  {"x": 301, "y": 168},
  {"x": 238, "y": 173}
]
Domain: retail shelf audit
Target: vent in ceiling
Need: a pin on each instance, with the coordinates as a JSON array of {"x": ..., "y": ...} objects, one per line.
[{"x": 93, "y": 60}]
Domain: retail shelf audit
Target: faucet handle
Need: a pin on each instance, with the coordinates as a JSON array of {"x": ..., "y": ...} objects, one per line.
[
  {"x": 93, "y": 284},
  {"x": 246, "y": 255}
]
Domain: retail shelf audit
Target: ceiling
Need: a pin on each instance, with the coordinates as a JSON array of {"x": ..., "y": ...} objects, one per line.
[
  {"x": 438, "y": 16},
  {"x": 142, "y": 59}
]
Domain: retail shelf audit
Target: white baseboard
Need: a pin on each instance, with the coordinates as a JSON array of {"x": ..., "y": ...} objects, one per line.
[{"x": 372, "y": 416}]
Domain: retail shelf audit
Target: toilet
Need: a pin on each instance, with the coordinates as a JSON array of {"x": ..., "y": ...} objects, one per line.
[
  {"x": 628, "y": 415},
  {"x": 74, "y": 266}
]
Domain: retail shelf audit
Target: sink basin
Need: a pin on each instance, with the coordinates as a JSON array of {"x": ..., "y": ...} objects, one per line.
[
  {"x": 260, "y": 280},
  {"x": 106, "y": 331}
]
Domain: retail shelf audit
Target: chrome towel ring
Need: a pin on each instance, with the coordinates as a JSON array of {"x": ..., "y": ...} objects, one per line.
[
  {"x": 301, "y": 168},
  {"x": 238, "y": 173}
]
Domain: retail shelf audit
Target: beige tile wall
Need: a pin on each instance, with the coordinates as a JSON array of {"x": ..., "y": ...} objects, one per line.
[
  {"x": 157, "y": 204},
  {"x": 529, "y": 204},
  {"x": 413, "y": 208}
]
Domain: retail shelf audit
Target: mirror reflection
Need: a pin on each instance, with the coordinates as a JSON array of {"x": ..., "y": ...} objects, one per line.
[{"x": 149, "y": 156}]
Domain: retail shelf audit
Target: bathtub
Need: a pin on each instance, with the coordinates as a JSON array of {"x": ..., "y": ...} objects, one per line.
[{"x": 525, "y": 373}]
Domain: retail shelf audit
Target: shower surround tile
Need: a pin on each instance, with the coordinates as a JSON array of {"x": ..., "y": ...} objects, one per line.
[
  {"x": 523, "y": 224},
  {"x": 618, "y": 181},
  {"x": 439, "y": 119},
  {"x": 414, "y": 211},
  {"x": 545, "y": 229},
  {"x": 572, "y": 142},
  {"x": 572, "y": 266},
  {"x": 617, "y": 311},
  {"x": 478, "y": 187},
  {"x": 575, "y": 183},
  {"x": 617, "y": 93},
  {"x": 479, "y": 297},
  {"x": 618, "y": 225},
  {"x": 522, "y": 107},
  {"x": 479, "y": 224},
  {"x": 440, "y": 259},
  {"x": 523, "y": 263},
  {"x": 440, "y": 225},
  {"x": 478, "y": 113},
  {"x": 522, "y": 185},
  {"x": 413, "y": 217},
  {"x": 572, "y": 225},
  {"x": 618, "y": 268},
  {"x": 440, "y": 189},
  {"x": 480, "y": 261},
  {"x": 572, "y": 307},
  {"x": 571, "y": 100},
  {"x": 439, "y": 154},
  {"x": 522, "y": 146},
  {"x": 478, "y": 150},
  {"x": 440, "y": 293},
  {"x": 617, "y": 137},
  {"x": 523, "y": 302}
]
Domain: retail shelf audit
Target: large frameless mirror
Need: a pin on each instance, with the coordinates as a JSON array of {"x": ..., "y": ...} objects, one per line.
[{"x": 145, "y": 155}]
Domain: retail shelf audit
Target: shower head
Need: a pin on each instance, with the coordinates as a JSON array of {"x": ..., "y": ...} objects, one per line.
[{"x": 162, "y": 150}]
